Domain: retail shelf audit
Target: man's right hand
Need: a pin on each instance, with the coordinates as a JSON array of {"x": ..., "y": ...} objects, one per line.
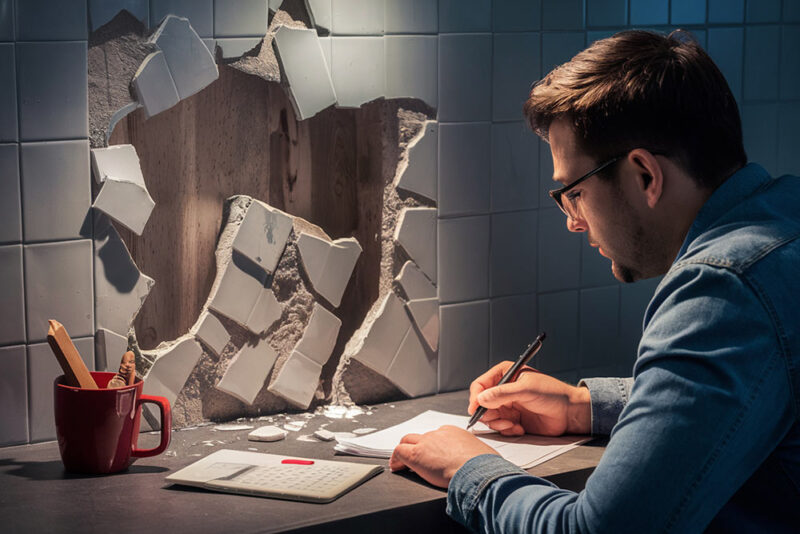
[{"x": 535, "y": 403}]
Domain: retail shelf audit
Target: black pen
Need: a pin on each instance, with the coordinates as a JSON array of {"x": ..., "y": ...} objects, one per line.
[{"x": 532, "y": 349}]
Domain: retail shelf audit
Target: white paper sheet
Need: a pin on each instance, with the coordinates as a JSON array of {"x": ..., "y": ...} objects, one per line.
[{"x": 524, "y": 451}]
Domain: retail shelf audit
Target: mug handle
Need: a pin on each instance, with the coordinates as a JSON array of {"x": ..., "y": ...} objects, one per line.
[{"x": 166, "y": 425}]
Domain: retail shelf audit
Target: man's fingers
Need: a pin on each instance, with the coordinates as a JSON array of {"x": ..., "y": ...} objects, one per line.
[
  {"x": 506, "y": 394},
  {"x": 400, "y": 456},
  {"x": 411, "y": 439}
]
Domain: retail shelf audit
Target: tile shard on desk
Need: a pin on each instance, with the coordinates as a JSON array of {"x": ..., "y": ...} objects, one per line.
[
  {"x": 328, "y": 265},
  {"x": 247, "y": 371}
]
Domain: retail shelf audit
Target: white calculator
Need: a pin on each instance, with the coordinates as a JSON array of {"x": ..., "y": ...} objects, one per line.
[{"x": 275, "y": 476}]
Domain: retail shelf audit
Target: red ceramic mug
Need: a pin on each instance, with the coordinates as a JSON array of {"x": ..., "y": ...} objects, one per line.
[{"x": 98, "y": 429}]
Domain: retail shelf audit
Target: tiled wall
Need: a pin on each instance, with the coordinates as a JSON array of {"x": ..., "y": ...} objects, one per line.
[{"x": 507, "y": 266}]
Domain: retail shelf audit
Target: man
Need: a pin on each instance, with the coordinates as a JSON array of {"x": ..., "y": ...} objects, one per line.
[{"x": 647, "y": 152}]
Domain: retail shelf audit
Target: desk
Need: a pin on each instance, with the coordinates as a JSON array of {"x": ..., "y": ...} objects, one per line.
[{"x": 36, "y": 495}]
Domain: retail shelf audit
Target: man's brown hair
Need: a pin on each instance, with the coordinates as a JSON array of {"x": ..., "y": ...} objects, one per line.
[{"x": 640, "y": 89}]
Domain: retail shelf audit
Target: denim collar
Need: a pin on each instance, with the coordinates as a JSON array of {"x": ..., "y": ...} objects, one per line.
[{"x": 733, "y": 191}]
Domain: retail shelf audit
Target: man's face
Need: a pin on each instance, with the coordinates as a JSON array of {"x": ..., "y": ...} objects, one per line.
[{"x": 610, "y": 221}]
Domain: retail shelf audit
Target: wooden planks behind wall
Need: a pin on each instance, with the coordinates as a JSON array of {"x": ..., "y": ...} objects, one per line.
[{"x": 240, "y": 136}]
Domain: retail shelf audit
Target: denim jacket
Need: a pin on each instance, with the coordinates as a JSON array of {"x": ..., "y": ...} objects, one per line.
[{"x": 705, "y": 436}]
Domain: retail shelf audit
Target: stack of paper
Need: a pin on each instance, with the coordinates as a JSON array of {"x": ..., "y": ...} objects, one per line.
[{"x": 524, "y": 451}]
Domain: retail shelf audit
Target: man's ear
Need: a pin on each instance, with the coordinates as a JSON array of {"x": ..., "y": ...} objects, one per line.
[{"x": 650, "y": 175}]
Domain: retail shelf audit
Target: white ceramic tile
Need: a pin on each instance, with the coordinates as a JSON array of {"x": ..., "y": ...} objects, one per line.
[
  {"x": 760, "y": 63},
  {"x": 320, "y": 11},
  {"x": 109, "y": 347},
  {"x": 516, "y": 66},
  {"x": 297, "y": 380},
  {"x": 790, "y": 66},
  {"x": 52, "y": 80},
  {"x": 262, "y": 235},
  {"x": 328, "y": 264},
  {"x": 412, "y": 370},
  {"x": 265, "y": 312},
  {"x": 464, "y": 168},
  {"x": 411, "y": 67},
  {"x": 211, "y": 44},
  {"x": 599, "y": 330},
  {"x": 595, "y": 268},
  {"x": 463, "y": 259},
  {"x": 516, "y": 15},
  {"x": 459, "y": 16},
  {"x": 7, "y": 20},
  {"x": 358, "y": 69},
  {"x": 381, "y": 342},
  {"x": 725, "y": 46},
  {"x": 513, "y": 253},
  {"x": 119, "y": 288},
  {"x": 562, "y": 14},
  {"x": 12, "y": 296},
  {"x": 607, "y": 13},
  {"x": 13, "y": 396},
  {"x": 56, "y": 192},
  {"x": 212, "y": 333},
  {"x": 306, "y": 69},
  {"x": 425, "y": 313},
  {"x": 199, "y": 12},
  {"x": 688, "y": 12},
  {"x": 234, "y": 47},
  {"x": 8, "y": 93},
  {"x": 357, "y": 17},
  {"x": 325, "y": 43},
  {"x": 558, "y": 318},
  {"x": 421, "y": 171},
  {"x": 465, "y": 77},
  {"x": 633, "y": 302},
  {"x": 171, "y": 370},
  {"x": 10, "y": 199},
  {"x": 514, "y": 327},
  {"x": 464, "y": 345},
  {"x": 190, "y": 63},
  {"x": 411, "y": 16},
  {"x": 558, "y": 48},
  {"x": 320, "y": 335},
  {"x": 515, "y": 165},
  {"x": 242, "y": 297},
  {"x": 58, "y": 285},
  {"x": 559, "y": 252},
  {"x": 649, "y": 11},
  {"x": 240, "y": 18},
  {"x": 43, "y": 369},
  {"x": 128, "y": 203},
  {"x": 760, "y": 133},
  {"x": 51, "y": 20},
  {"x": 102, "y": 11},
  {"x": 416, "y": 233},
  {"x": 725, "y": 11},
  {"x": 247, "y": 371},
  {"x": 415, "y": 284},
  {"x": 118, "y": 161}
]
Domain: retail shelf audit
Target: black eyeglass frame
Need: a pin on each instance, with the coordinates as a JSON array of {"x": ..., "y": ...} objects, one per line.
[{"x": 556, "y": 194}]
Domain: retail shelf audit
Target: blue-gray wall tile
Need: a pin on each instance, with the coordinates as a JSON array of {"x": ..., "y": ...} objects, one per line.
[
  {"x": 760, "y": 132},
  {"x": 515, "y": 165},
  {"x": 6, "y": 20},
  {"x": 516, "y": 15},
  {"x": 51, "y": 20},
  {"x": 513, "y": 253},
  {"x": 559, "y": 252},
  {"x": 726, "y": 48},
  {"x": 12, "y": 296},
  {"x": 13, "y": 396},
  {"x": 199, "y": 12},
  {"x": 463, "y": 253},
  {"x": 790, "y": 64},
  {"x": 56, "y": 190},
  {"x": 558, "y": 48},
  {"x": 412, "y": 67},
  {"x": 562, "y": 14},
  {"x": 102, "y": 11},
  {"x": 514, "y": 327},
  {"x": 464, "y": 344},
  {"x": 458, "y": 16},
  {"x": 516, "y": 66},
  {"x": 465, "y": 77},
  {"x": 240, "y": 18},
  {"x": 10, "y": 198},
  {"x": 358, "y": 69},
  {"x": 595, "y": 268},
  {"x": 763, "y": 11},
  {"x": 599, "y": 330},
  {"x": 761, "y": 62},
  {"x": 8, "y": 93},
  {"x": 464, "y": 168},
  {"x": 607, "y": 13},
  {"x": 725, "y": 11},
  {"x": 558, "y": 318},
  {"x": 411, "y": 16},
  {"x": 688, "y": 12},
  {"x": 788, "y": 138},
  {"x": 357, "y": 17},
  {"x": 791, "y": 10},
  {"x": 633, "y": 302},
  {"x": 649, "y": 12}
]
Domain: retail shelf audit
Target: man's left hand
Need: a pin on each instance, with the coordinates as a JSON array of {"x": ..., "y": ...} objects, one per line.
[{"x": 437, "y": 455}]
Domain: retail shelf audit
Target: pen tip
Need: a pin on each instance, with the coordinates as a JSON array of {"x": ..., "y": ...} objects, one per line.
[{"x": 544, "y": 335}]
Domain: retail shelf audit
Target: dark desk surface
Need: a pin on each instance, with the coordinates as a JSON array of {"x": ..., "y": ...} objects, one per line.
[{"x": 36, "y": 495}]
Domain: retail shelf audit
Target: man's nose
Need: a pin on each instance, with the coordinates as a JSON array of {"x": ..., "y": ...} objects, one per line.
[{"x": 576, "y": 224}]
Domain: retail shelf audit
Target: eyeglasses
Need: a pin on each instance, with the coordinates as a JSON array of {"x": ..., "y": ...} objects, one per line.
[{"x": 570, "y": 207}]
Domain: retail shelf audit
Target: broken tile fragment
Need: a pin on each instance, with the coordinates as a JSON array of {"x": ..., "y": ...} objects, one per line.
[
  {"x": 212, "y": 333},
  {"x": 411, "y": 370},
  {"x": 155, "y": 90},
  {"x": 267, "y": 433},
  {"x": 425, "y": 313},
  {"x": 233, "y": 47},
  {"x": 108, "y": 350},
  {"x": 128, "y": 203},
  {"x": 190, "y": 63},
  {"x": 416, "y": 233},
  {"x": 414, "y": 282},
  {"x": 328, "y": 264},
  {"x": 358, "y": 70},
  {"x": 419, "y": 175},
  {"x": 247, "y": 371},
  {"x": 320, "y": 13},
  {"x": 320, "y": 335},
  {"x": 262, "y": 235},
  {"x": 119, "y": 288},
  {"x": 119, "y": 161},
  {"x": 242, "y": 297},
  {"x": 324, "y": 435},
  {"x": 171, "y": 369},
  {"x": 297, "y": 380},
  {"x": 118, "y": 115},
  {"x": 310, "y": 84}
]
